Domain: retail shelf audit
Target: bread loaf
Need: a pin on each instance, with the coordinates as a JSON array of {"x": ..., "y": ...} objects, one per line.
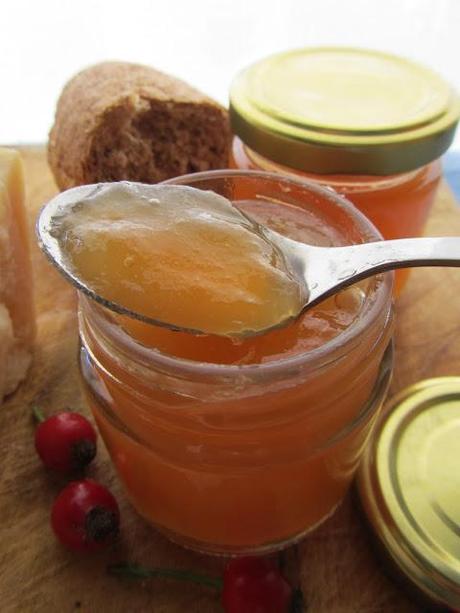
[{"x": 118, "y": 121}]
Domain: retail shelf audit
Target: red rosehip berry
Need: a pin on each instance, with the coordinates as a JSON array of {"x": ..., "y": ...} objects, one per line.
[
  {"x": 85, "y": 516},
  {"x": 66, "y": 441},
  {"x": 255, "y": 585}
]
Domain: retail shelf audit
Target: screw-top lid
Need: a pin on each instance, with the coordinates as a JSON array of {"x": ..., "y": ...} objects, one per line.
[
  {"x": 409, "y": 484},
  {"x": 341, "y": 110}
]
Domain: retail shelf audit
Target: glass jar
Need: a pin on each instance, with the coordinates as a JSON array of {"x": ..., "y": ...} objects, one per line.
[
  {"x": 242, "y": 457},
  {"x": 370, "y": 125}
]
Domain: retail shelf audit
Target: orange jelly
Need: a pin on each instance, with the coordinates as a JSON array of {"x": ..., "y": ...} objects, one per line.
[
  {"x": 233, "y": 445},
  {"x": 179, "y": 256}
]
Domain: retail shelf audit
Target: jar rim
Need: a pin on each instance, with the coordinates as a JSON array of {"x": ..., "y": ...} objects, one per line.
[{"x": 375, "y": 302}]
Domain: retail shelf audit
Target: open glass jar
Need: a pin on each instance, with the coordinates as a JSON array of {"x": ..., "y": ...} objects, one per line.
[
  {"x": 244, "y": 446},
  {"x": 371, "y": 125}
]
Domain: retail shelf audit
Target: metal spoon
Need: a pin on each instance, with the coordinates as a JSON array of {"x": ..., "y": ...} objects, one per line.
[{"x": 324, "y": 271}]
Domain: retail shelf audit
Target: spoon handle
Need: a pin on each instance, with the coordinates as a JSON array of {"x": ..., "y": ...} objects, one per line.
[
  {"x": 370, "y": 258},
  {"x": 338, "y": 267}
]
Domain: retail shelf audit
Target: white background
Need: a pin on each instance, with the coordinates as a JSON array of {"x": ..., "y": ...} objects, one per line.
[{"x": 205, "y": 42}]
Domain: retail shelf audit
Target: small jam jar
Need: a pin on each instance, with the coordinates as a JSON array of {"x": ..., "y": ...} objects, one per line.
[
  {"x": 368, "y": 124},
  {"x": 237, "y": 446}
]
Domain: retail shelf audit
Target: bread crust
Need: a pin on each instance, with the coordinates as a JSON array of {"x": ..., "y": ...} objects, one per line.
[{"x": 117, "y": 121}]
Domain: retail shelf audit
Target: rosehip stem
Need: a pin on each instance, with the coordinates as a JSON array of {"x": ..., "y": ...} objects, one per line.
[
  {"x": 134, "y": 571},
  {"x": 297, "y": 602},
  {"x": 38, "y": 414}
]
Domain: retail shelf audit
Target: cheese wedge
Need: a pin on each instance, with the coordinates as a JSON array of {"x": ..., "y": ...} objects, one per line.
[{"x": 17, "y": 319}]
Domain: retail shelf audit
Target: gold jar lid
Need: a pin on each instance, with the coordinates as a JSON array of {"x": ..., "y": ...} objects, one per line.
[
  {"x": 344, "y": 111},
  {"x": 409, "y": 486}
]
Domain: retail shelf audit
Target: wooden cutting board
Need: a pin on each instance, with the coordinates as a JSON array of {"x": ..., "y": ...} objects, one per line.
[{"x": 336, "y": 567}]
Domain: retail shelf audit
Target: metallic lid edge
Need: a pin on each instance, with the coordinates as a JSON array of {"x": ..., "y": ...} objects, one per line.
[{"x": 430, "y": 582}]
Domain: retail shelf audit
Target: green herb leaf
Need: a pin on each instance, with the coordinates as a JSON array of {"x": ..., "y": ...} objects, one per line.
[
  {"x": 135, "y": 571},
  {"x": 38, "y": 414}
]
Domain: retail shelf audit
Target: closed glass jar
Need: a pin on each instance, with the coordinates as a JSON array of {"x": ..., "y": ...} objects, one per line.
[
  {"x": 370, "y": 125},
  {"x": 235, "y": 447}
]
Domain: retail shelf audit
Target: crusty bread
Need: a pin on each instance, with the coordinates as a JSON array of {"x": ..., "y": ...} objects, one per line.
[{"x": 118, "y": 121}]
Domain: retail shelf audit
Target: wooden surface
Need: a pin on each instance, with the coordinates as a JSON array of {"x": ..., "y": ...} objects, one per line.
[{"x": 337, "y": 569}]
